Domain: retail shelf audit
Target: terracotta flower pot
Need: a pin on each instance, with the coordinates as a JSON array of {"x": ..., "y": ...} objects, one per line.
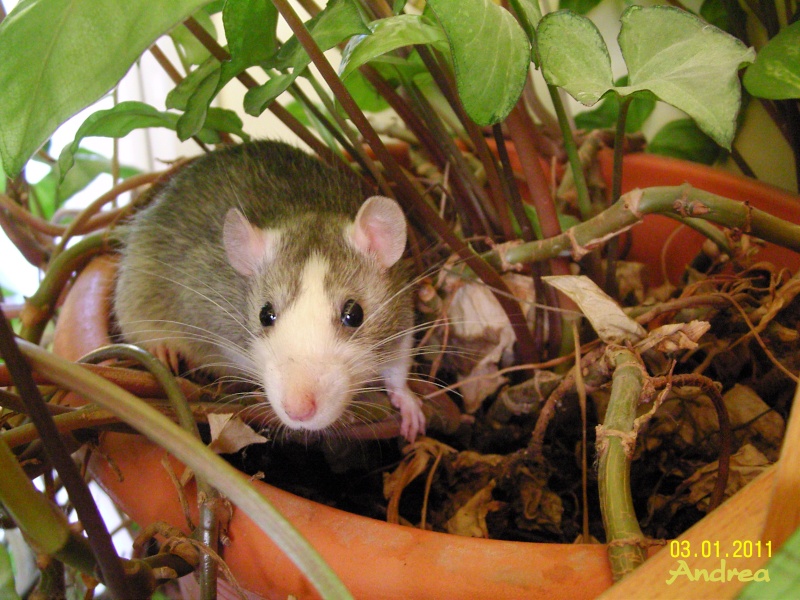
[{"x": 376, "y": 559}]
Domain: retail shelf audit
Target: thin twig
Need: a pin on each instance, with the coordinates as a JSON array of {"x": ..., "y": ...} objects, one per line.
[{"x": 88, "y": 513}]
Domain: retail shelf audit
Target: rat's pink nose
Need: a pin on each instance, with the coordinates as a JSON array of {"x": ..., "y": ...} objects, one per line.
[{"x": 301, "y": 407}]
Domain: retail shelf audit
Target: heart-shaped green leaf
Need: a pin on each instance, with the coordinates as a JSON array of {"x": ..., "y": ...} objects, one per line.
[
  {"x": 687, "y": 63},
  {"x": 491, "y": 54},
  {"x": 776, "y": 72},
  {"x": 574, "y": 56},
  {"x": 675, "y": 55},
  {"x": 67, "y": 54}
]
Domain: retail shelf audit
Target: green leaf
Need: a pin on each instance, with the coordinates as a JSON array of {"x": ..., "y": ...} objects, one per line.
[
  {"x": 605, "y": 115},
  {"x": 197, "y": 106},
  {"x": 250, "y": 28},
  {"x": 669, "y": 52},
  {"x": 388, "y": 35},
  {"x": 60, "y": 56},
  {"x": 776, "y": 72},
  {"x": 338, "y": 21},
  {"x": 580, "y": 7},
  {"x": 491, "y": 55},
  {"x": 51, "y": 194},
  {"x": 120, "y": 120},
  {"x": 179, "y": 96},
  {"x": 222, "y": 119},
  {"x": 574, "y": 56},
  {"x": 365, "y": 94},
  {"x": 728, "y": 16},
  {"x": 683, "y": 139},
  {"x": 529, "y": 13},
  {"x": 687, "y": 63}
]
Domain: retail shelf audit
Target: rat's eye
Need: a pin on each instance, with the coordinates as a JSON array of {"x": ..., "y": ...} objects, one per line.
[
  {"x": 267, "y": 315},
  {"x": 352, "y": 314}
]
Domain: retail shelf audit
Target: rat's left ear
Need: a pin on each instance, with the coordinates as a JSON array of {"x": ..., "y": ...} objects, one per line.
[
  {"x": 380, "y": 230},
  {"x": 246, "y": 246}
]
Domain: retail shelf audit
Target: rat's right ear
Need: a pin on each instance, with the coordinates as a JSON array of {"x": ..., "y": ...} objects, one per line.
[{"x": 246, "y": 246}]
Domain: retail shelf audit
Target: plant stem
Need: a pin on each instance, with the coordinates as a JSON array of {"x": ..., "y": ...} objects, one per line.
[
  {"x": 616, "y": 191},
  {"x": 88, "y": 513},
  {"x": 511, "y": 191},
  {"x": 472, "y": 199},
  {"x": 683, "y": 203},
  {"x": 615, "y": 445},
  {"x": 446, "y": 84},
  {"x": 520, "y": 128},
  {"x": 196, "y": 456},
  {"x": 208, "y": 497},
  {"x": 571, "y": 148},
  {"x": 40, "y": 307}
]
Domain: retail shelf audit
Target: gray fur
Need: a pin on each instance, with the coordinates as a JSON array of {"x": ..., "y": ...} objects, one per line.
[{"x": 175, "y": 280}]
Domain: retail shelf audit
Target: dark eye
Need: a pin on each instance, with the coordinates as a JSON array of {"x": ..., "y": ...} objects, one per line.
[
  {"x": 352, "y": 314},
  {"x": 267, "y": 315}
]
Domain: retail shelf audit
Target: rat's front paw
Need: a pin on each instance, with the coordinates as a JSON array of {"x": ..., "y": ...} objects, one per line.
[
  {"x": 412, "y": 417},
  {"x": 168, "y": 356}
]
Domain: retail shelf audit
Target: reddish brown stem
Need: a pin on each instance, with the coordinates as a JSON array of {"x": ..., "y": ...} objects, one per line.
[{"x": 408, "y": 194}]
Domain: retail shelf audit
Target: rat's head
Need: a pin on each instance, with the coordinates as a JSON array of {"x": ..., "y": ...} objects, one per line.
[{"x": 327, "y": 306}]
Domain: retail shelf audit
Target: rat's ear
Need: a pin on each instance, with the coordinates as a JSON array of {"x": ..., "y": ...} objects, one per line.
[
  {"x": 380, "y": 230},
  {"x": 246, "y": 245}
]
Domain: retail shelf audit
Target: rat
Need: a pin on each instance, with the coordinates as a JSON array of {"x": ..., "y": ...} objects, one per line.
[{"x": 257, "y": 262}]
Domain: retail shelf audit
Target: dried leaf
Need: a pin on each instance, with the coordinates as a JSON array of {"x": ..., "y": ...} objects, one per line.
[
  {"x": 541, "y": 507},
  {"x": 608, "y": 319},
  {"x": 230, "y": 434},
  {"x": 630, "y": 280},
  {"x": 673, "y": 337},
  {"x": 747, "y": 464},
  {"x": 480, "y": 328},
  {"x": 754, "y": 422},
  {"x": 418, "y": 456},
  {"x": 470, "y": 519},
  {"x": 690, "y": 423}
]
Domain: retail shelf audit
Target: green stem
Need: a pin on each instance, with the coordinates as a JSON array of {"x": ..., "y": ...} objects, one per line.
[
  {"x": 40, "y": 521},
  {"x": 611, "y": 287},
  {"x": 40, "y": 307},
  {"x": 571, "y": 148},
  {"x": 683, "y": 203},
  {"x": 111, "y": 568},
  {"x": 208, "y": 497},
  {"x": 615, "y": 444},
  {"x": 196, "y": 456}
]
